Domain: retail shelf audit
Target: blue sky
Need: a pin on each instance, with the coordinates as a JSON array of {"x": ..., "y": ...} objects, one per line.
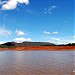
[{"x": 37, "y": 20}]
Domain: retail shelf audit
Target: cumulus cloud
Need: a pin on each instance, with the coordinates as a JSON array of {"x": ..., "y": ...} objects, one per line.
[
  {"x": 19, "y": 32},
  {"x": 1, "y": 42},
  {"x": 45, "y": 32},
  {"x": 58, "y": 41},
  {"x": 19, "y": 40},
  {"x": 61, "y": 40},
  {"x": 4, "y": 32},
  {"x": 12, "y": 4},
  {"x": 55, "y": 32}
]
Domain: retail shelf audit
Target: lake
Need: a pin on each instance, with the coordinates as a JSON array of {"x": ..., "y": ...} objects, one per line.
[{"x": 37, "y": 62}]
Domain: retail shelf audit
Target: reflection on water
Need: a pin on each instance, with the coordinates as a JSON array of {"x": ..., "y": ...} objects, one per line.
[{"x": 37, "y": 63}]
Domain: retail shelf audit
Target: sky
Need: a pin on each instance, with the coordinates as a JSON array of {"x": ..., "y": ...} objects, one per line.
[{"x": 37, "y": 20}]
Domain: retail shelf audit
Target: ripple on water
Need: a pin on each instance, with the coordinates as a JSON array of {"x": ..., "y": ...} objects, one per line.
[{"x": 37, "y": 63}]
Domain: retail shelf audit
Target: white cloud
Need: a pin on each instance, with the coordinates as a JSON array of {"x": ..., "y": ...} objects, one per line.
[
  {"x": 19, "y": 40},
  {"x": 61, "y": 41},
  {"x": 72, "y": 41},
  {"x": 72, "y": 36},
  {"x": 4, "y": 32},
  {"x": 58, "y": 41},
  {"x": 55, "y": 32},
  {"x": 30, "y": 11},
  {"x": 1, "y": 42},
  {"x": 19, "y": 32},
  {"x": 12, "y": 4},
  {"x": 55, "y": 40},
  {"x": 49, "y": 10},
  {"x": 45, "y": 32}
]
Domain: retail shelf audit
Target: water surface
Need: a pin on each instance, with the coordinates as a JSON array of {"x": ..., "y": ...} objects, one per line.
[{"x": 37, "y": 62}]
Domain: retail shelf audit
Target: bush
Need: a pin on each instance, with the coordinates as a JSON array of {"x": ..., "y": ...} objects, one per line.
[{"x": 4, "y": 46}]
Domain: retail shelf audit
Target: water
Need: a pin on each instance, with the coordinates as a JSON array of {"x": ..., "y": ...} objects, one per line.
[{"x": 37, "y": 63}]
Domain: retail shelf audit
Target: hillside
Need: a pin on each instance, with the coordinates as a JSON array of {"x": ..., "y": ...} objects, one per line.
[
  {"x": 33, "y": 44},
  {"x": 14, "y": 44}
]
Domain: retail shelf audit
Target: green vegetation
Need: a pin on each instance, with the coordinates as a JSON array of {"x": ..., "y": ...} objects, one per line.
[
  {"x": 4, "y": 46},
  {"x": 71, "y": 44},
  {"x": 13, "y": 44}
]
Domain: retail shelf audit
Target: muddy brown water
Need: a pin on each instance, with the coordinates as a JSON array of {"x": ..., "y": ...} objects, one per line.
[{"x": 37, "y": 62}]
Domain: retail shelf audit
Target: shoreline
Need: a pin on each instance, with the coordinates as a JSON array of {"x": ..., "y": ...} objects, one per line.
[{"x": 40, "y": 48}]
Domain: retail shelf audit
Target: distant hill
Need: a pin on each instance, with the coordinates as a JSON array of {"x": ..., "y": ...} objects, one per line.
[
  {"x": 14, "y": 44},
  {"x": 8, "y": 44},
  {"x": 11, "y": 44},
  {"x": 35, "y": 44}
]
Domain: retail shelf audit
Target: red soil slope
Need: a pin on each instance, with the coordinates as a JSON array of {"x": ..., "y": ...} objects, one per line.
[{"x": 51, "y": 48}]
